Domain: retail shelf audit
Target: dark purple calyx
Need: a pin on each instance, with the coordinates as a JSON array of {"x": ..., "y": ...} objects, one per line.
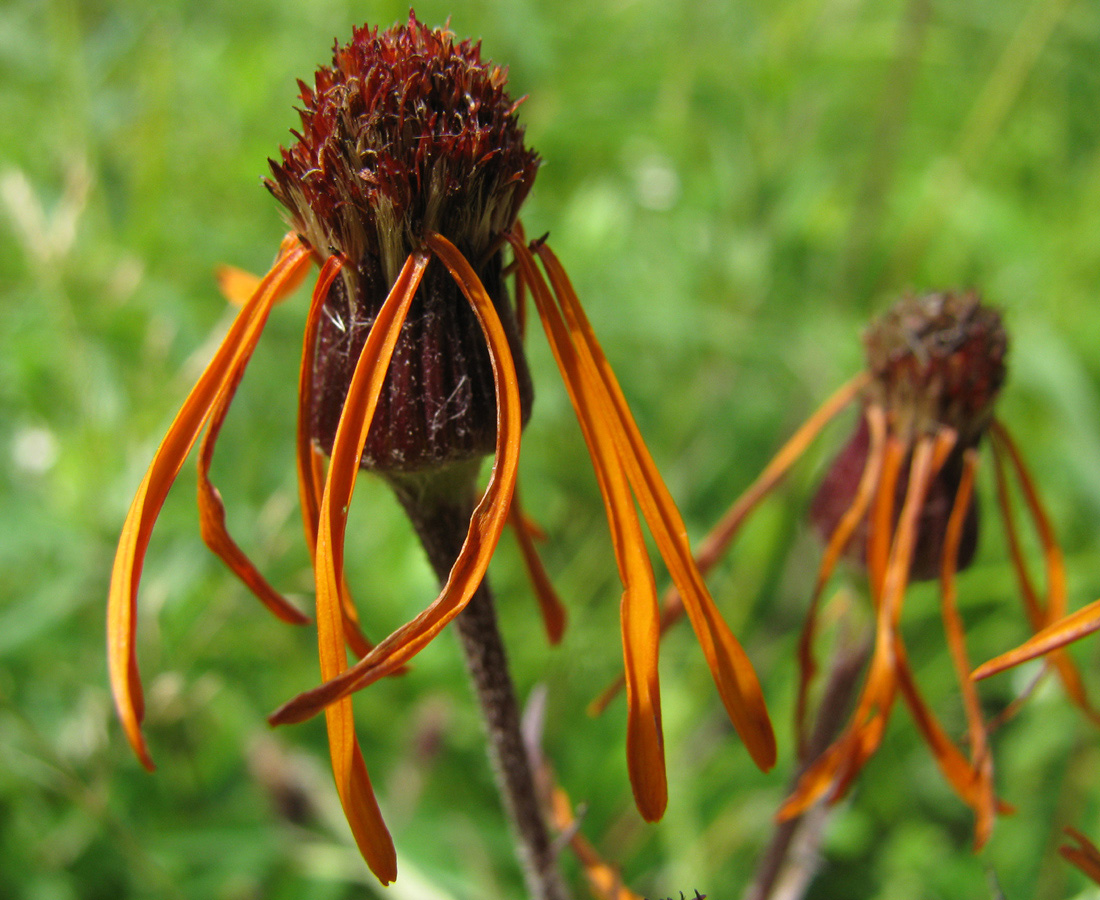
[
  {"x": 438, "y": 402},
  {"x": 838, "y": 489}
]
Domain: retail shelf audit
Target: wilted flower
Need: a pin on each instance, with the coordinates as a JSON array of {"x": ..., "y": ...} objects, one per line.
[
  {"x": 897, "y": 501},
  {"x": 404, "y": 185}
]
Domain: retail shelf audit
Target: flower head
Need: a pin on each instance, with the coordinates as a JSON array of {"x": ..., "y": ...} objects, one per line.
[
  {"x": 404, "y": 185},
  {"x": 897, "y": 501}
]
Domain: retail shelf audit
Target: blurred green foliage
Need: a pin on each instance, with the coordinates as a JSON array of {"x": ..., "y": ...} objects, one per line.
[{"x": 735, "y": 189}]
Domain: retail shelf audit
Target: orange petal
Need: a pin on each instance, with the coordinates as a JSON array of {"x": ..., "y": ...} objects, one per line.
[
  {"x": 834, "y": 770},
  {"x": 733, "y": 673},
  {"x": 237, "y": 285},
  {"x": 310, "y": 460},
  {"x": 1055, "y": 608},
  {"x": 352, "y": 782},
  {"x": 553, "y": 613},
  {"x": 170, "y": 455},
  {"x": 357, "y": 794},
  {"x": 971, "y": 780},
  {"x": 838, "y": 540},
  {"x": 639, "y": 612},
  {"x": 717, "y": 541},
  {"x": 212, "y": 510},
  {"x": 1065, "y": 631},
  {"x": 486, "y": 523},
  {"x": 1052, "y": 552},
  {"x": 984, "y": 801}
]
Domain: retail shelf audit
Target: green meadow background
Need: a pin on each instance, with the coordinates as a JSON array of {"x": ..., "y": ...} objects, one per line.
[{"x": 735, "y": 188}]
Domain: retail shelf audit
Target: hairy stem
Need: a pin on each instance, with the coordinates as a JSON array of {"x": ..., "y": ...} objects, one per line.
[
  {"x": 789, "y": 862},
  {"x": 440, "y": 512}
]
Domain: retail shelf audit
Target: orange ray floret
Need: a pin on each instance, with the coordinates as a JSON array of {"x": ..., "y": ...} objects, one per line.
[
  {"x": 211, "y": 509},
  {"x": 837, "y": 766},
  {"x": 527, "y": 532},
  {"x": 1053, "y": 628},
  {"x": 639, "y": 612},
  {"x": 352, "y": 782},
  {"x": 310, "y": 459},
  {"x": 838, "y": 541},
  {"x": 733, "y": 673},
  {"x": 215, "y": 383}
]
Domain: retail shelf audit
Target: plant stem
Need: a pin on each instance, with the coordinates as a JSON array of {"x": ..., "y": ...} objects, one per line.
[
  {"x": 788, "y": 864},
  {"x": 440, "y": 517}
]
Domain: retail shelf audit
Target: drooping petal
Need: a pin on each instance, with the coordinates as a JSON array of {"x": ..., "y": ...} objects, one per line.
[
  {"x": 838, "y": 541},
  {"x": 162, "y": 472},
  {"x": 486, "y": 523},
  {"x": 972, "y": 780},
  {"x": 211, "y": 509},
  {"x": 553, "y": 613},
  {"x": 639, "y": 613},
  {"x": 310, "y": 459},
  {"x": 307, "y": 459},
  {"x": 1040, "y": 616},
  {"x": 983, "y": 800},
  {"x": 928, "y": 456},
  {"x": 834, "y": 771},
  {"x": 733, "y": 673},
  {"x": 352, "y": 782},
  {"x": 1052, "y": 553},
  {"x": 714, "y": 545}
]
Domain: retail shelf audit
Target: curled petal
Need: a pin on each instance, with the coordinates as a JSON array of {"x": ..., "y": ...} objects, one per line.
[
  {"x": 527, "y": 532},
  {"x": 838, "y": 540},
  {"x": 486, "y": 523},
  {"x": 162, "y": 472},
  {"x": 212, "y": 510},
  {"x": 310, "y": 459},
  {"x": 352, "y": 782},
  {"x": 834, "y": 771}
]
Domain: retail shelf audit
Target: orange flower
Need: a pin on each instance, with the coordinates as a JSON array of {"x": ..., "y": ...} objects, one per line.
[
  {"x": 404, "y": 186},
  {"x": 897, "y": 501}
]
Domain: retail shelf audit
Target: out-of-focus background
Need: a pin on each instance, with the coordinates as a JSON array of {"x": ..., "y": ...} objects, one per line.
[{"x": 735, "y": 189}]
